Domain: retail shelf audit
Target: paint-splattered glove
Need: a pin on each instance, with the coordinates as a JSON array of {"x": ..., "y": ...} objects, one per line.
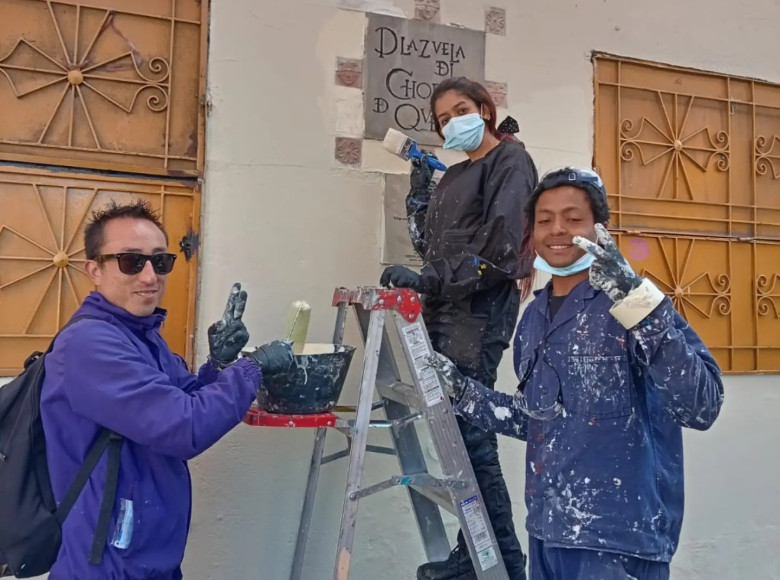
[
  {"x": 422, "y": 173},
  {"x": 610, "y": 271},
  {"x": 422, "y": 184},
  {"x": 273, "y": 357},
  {"x": 402, "y": 277},
  {"x": 229, "y": 335},
  {"x": 454, "y": 382}
]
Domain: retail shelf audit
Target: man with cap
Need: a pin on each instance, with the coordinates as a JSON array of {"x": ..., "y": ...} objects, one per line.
[{"x": 609, "y": 373}]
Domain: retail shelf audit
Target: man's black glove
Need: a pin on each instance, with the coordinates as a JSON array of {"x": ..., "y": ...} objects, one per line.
[
  {"x": 402, "y": 277},
  {"x": 229, "y": 335},
  {"x": 273, "y": 357},
  {"x": 610, "y": 271}
]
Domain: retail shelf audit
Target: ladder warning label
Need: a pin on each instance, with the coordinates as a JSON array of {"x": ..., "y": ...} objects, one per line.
[
  {"x": 477, "y": 527},
  {"x": 414, "y": 336}
]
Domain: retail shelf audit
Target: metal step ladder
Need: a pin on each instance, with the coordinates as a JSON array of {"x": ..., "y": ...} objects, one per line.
[{"x": 388, "y": 354}]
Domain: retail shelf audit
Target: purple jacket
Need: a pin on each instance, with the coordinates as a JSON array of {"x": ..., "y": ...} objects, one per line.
[{"x": 117, "y": 372}]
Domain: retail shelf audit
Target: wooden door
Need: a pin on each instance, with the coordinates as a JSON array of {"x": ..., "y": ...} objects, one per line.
[
  {"x": 42, "y": 277},
  {"x": 101, "y": 99}
]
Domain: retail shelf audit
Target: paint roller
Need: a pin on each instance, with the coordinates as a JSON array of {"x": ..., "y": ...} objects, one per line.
[{"x": 298, "y": 324}]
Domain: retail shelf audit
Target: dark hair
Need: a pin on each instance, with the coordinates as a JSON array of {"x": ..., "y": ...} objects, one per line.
[
  {"x": 474, "y": 91},
  {"x": 137, "y": 209},
  {"x": 525, "y": 262},
  {"x": 584, "y": 179}
]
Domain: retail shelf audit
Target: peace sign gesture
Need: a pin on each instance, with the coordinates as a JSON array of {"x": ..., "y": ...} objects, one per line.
[
  {"x": 610, "y": 271},
  {"x": 228, "y": 335}
]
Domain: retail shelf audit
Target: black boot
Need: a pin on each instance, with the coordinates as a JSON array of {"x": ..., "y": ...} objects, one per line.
[
  {"x": 518, "y": 573},
  {"x": 456, "y": 567}
]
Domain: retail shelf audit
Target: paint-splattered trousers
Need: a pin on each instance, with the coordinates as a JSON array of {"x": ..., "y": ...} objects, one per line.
[
  {"x": 548, "y": 563},
  {"x": 482, "y": 447}
]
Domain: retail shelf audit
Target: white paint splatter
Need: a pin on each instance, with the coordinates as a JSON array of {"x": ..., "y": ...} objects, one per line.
[
  {"x": 502, "y": 413},
  {"x": 576, "y": 509}
]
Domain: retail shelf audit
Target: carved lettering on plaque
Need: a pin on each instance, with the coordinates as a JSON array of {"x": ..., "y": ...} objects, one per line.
[{"x": 405, "y": 61}]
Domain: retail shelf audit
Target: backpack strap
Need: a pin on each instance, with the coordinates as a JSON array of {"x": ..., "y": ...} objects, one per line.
[
  {"x": 38, "y": 354},
  {"x": 70, "y": 322},
  {"x": 109, "y": 498},
  {"x": 94, "y": 455},
  {"x": 105, "y": 439}
]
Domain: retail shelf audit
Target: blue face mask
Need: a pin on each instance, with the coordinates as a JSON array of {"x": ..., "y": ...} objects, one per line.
[
  {"x": 574, "y": 268},
  {"x": 464, "y": 133}
]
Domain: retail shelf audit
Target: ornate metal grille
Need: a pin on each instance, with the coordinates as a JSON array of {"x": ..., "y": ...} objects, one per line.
[
  {"x": 91, "y": 85},
  {"x": 691, "y": 161},
  {"x": 94, "y": 84}
]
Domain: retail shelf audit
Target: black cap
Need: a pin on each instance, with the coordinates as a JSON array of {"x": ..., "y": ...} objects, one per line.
[{"x": 586, "y": 179}]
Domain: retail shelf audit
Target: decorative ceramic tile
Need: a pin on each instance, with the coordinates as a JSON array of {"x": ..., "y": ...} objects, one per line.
[
  {"x": 348, "y": 150},
  {"x": 499, "y": 93},
  {"x": 495, "y": 21},
  {"x": 349, "y": 72},
  {"x": 426, "y": 9}
]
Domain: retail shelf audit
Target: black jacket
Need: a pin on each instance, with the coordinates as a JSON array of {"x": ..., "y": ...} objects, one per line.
[{"x": 470, "y": 244}]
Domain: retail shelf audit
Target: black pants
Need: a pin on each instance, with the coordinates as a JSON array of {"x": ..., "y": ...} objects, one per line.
[{"x": 482, "y": 448}]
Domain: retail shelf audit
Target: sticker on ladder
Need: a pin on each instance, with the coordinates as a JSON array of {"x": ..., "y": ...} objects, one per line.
[
  {"x": 478, "y": 530},
  {"x": 416, "y": 342}
]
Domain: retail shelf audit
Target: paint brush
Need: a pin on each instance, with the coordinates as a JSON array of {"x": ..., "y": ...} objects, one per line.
[
  {"x": 298, "y": 324},
  {"x": 406, "y": 148}
]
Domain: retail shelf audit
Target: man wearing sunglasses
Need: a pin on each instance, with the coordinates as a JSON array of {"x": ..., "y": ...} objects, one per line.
[
  {"x": 111, "y": 369},
  {"x": 609, "y": 374}
]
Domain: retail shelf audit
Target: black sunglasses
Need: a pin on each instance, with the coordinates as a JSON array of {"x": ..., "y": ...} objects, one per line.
[{"x": 132, "y": 263}]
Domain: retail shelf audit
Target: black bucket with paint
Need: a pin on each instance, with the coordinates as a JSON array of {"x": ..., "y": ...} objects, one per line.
[{"x": 312, "y": 385}]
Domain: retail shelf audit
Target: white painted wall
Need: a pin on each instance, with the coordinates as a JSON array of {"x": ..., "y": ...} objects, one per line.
[
  {"x": 287, "y": 223},
  {"x": 732, "y": 491},
  {"x": 281, "y": 218}
]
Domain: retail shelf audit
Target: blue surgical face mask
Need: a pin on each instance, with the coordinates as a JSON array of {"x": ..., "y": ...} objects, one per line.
[
  {"x": 574, "y": 268},
  {"x": 464, "y": 133}
]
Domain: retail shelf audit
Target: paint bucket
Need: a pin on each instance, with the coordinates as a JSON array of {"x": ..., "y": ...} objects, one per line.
[{"x": 312, "y": 385}]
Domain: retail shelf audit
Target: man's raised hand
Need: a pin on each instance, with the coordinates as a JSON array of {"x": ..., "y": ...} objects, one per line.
[{"x": 229, "y": 335}]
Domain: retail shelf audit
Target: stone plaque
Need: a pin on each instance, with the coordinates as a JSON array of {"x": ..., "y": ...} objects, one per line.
[
  {"x": 397, "y": 247},
  {"x": 405, "y": 60}
]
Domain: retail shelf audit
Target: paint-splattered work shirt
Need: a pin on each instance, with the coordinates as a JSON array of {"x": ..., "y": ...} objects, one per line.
[{"x": 606, "y": 473}]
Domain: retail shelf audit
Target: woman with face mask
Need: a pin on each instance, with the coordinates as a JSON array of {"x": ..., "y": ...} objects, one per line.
[{"x": 468, "y": 230}]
